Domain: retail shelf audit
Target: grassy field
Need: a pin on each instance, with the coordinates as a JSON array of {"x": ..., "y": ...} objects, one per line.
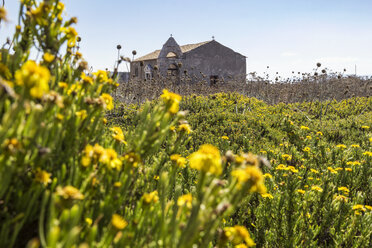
[{"x": 319, "y": 178}]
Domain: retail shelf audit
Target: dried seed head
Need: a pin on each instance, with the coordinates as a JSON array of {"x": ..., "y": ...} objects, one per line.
[
  {"x": 324, "y": 71},
  {"x": 318, "y": 64},
  {"x": 78, "y": 39},
  {"x": 118, "y": 47},
  {"x": 134, "y": 52}
]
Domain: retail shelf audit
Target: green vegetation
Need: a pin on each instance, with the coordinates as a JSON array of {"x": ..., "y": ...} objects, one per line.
[{"x": 78, "y": 171}]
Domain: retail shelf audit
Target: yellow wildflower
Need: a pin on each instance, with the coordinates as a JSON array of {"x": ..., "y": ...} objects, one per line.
[
  {"x": 238, "y": 235},
  {"x": 306, "y": 149},
  {"x": 71, "y": 35},
  {"x": 308, "y": 137},
  {"x": 365, "y": 127},
  {"x": 133, "y": 159},
  {"x": 185, "y": 200},
  {"x": 317, "y": 188},
  {"x": 180, "y": 161},
  {"x": 368, "y": 207},
  {"x": 333, "y": 171},
  {"x": 359, "y": 207},
  {"x": 301, "y": 191},
  {"x": 185, "y": 128},
  {"x": 118, "y": 222},
  {"x": 267, "y": 195},
  {"x": 117, "y": 134},
  {"x": 367, "y": 153},
  {"x": 107, "y": 99},
  {"x": 34, "y": 77},
  {"x": 267, "y": 175},
  {"x": 48, "y": 57},
  {"x": 89, "y": 221},
  {"x": 117, "y": 184},
  {"x": 314, "y": 171},
  {"x": 3, "y": 14},
  {"x": 344, "y": 189},
  {"x": 319, "y": 133},
  {"x": 156, "y": 177},
  {"x": 91, "y": 155},
  {"x": 250, "y": 174},
  {"x": 152, "y": 197},
  {"x": 171, "y": 101},
  {"x": 110, "y": 158},
  {"x": 60, "y": 117},
  {"x": 69, "y": 193},
  {"x": 82, "y": 114},
  {"x": 355, "y": 146},
  {"x": 224, "y": 137},
  {"x": 12, "y": 145},
  {"x": 348, "y": 169},
  {"x": 292, "y": 168},
  {"x": 281, "y": 167},
  {"x": 287, "y": 157},
  {"x": 101, "y": 76},
  {"x": 43, "y": 177},
  {"x": 341, "y": 146},
  {"x": 87, "y": 80},
  {"x": 207, "y": 159},
  {"x": 62, "y": 85},
  {"x": 341, "y": 198},
  {"x": 304, "y": 128}
]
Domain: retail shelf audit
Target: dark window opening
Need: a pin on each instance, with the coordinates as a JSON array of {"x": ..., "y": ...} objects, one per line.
[
  {"x": 136, "y": 71},
  {"x": 213, "y": 79}
]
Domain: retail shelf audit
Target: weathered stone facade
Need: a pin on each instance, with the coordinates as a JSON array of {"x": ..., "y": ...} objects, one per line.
[{"x": 209, "y": 61}]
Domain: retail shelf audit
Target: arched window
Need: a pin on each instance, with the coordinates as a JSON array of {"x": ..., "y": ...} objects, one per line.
[{"x": 172, "y": 55}]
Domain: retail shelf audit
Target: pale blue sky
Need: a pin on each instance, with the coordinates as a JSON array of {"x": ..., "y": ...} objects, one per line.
[{"x": 287, "y": 35}]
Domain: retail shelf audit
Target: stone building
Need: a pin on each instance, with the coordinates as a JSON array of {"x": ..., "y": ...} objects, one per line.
[{"x": 208, "y": 60}]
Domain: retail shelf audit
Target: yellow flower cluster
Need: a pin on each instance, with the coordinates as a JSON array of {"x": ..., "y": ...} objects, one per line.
[
  {"x": 71, "y": 35},
  {"x": 180, "y": 161},
  {"x": 207, "y": 159},
  {"x": 368, "y": 154},
  {"x": 69, "y": 193},
  {"x": 152, "y": 197},
  {"x": 317, "y": 188},
  {"x": 251, "y": 175},
  {"x": 286, "y": 168},
  {"x": 96, "y": 153},
  {"x": 341, "y": 146},
  {"x": 344, "y": 190},
  {"x": 287, "y": 157},
  {"x": 133, "y": 159},
  {"x": 238, "y": 235},
  {"x": 107, "y": 99},
  {"x": 118, "y": 222},
  {"x": 171, "y": 101},
  {"x": 43, "y": 177},
  {"x": 353, "y": 163},
  {"x": 185, "y": 128},
  {"x": 306, "y": 149},
  {"x": 185, "y": 200},
  {"x": 118, "y": 134},
  {"x": 34, "y": 77},
  {"x": 305, "y": 128}
]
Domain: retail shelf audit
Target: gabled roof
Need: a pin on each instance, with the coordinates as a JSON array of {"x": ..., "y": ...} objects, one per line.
[{"x": 184, "y": 49}]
